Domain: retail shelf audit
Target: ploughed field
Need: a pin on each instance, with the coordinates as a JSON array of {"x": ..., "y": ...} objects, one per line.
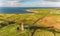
[{"x": 43, "y": 22}]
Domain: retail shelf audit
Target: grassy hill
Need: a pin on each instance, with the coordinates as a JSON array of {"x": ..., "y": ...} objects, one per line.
[{"x": 48, "y": 18}]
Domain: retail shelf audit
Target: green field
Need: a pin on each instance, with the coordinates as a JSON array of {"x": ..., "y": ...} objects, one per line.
[{"x": 51, "y": 15}]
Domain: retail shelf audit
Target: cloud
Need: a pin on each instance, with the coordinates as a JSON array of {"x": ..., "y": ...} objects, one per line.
[
  {"x": 9, "y": 2},
  {"x": 30, "y": 3},
  {"x": 53, "y": 0},
  {"x": 38, "y": 4}
]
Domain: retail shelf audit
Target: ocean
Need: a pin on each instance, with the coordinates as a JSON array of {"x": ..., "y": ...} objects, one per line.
[
  {"x": 18, "y": 10},
  {"x": 13, "y": 10}
]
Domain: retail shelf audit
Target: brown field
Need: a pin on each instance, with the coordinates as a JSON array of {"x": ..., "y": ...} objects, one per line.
[{"x": 50, "y": 21}]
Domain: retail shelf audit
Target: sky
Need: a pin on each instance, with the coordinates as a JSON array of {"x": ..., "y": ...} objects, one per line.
[{"x": 29, "y": 3}]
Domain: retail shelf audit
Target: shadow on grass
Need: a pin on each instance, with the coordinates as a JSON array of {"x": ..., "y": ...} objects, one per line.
[
  {"x": 51, "y": 29},
  {"x": 6, "y": 23}
]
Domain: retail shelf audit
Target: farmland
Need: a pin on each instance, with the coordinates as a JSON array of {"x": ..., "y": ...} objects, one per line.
[{"x": 41, "y": 20}]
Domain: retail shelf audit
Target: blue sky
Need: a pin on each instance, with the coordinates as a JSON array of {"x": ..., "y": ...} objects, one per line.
[{"x": 29, "y": 3}]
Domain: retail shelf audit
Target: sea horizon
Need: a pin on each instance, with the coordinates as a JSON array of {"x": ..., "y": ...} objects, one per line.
[{"x": 19, "y": 10}]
